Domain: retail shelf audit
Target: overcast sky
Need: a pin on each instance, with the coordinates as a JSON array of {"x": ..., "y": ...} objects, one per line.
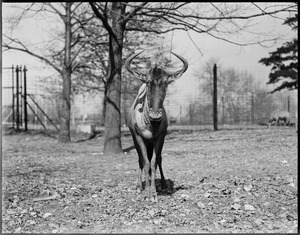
[{"x": 228, "y": 55}]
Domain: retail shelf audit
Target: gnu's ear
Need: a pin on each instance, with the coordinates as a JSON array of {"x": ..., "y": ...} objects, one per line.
[
  {"x": 139, "y": 75},
  {"x": 175, "y": 76}
]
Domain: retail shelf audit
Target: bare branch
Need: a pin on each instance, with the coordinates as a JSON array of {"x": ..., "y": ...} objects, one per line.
[
  {"x": 23, "y": 48},
  {"x": 78, "y": 51},
  {"x": 103, "y": 19},
  {"x": 130, "y": 15},
  {"x": 194, "y": 43},
  {"x": 56, "y": 11}
]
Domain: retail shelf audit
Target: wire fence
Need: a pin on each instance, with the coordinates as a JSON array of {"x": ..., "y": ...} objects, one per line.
[{"x": 236, "y": 105}]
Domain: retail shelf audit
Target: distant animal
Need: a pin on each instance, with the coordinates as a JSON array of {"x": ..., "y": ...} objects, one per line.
[
  {"x": 279, "y": 117},
  {"x": 148, "y": 123}
]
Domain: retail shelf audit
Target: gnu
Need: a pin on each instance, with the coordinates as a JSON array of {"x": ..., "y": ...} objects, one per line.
[{"x": 148, "y": 123}]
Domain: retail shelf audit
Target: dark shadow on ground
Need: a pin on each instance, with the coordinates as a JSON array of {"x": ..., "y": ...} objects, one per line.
[
  {"x": 126, "y": 150},
  {"x": 87, "y": 137},
  {"x": 13, "y": 131},
  {"x": 165, "y": 192}
]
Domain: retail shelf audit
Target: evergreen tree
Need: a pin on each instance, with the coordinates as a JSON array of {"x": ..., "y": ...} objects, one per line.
[{"x": 285, "y": 61}]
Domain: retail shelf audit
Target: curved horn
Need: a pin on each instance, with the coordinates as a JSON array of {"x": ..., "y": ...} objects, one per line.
[
  {"x": 128, "y": 61},
  {"x": 185, "y": 64}
]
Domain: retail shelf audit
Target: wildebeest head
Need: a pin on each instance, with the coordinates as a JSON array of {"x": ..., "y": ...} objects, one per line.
[{"x": 157, "y": 80}]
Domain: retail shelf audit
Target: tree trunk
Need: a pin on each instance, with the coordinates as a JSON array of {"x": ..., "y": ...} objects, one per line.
[
  {"x": 65, "y": 115},
  {"x": 112, "y": 137},
  {"x": 64, "y": 133}
]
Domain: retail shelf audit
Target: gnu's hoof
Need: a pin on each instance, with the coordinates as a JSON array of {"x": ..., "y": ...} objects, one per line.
[{"x": 154, "y": 199}]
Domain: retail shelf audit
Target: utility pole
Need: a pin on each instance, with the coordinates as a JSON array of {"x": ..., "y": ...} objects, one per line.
[
  {"x": 13, "y": 97},
  {"x": 25, "y": 99},
  {"x": 252, "y": 108},
  {"x": 215, "y": 99},
  {"x": 17, "y": 96}
]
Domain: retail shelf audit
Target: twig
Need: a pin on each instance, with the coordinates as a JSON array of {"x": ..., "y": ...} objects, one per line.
[{"x": 54, "y": 196}]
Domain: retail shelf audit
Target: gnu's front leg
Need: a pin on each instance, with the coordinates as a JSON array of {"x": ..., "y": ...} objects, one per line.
[
  {"x": 152, "y": 191},
  {"x": 142, "y": 154},
  {"x": 139, "y": 185}
]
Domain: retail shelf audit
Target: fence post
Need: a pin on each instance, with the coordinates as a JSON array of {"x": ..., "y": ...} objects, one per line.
[
  {"x": 13, "y": 96},
  {"x": 17, "y": 103},
  {"x": 252, "y": 107},
  {"x": 21, "y": 92},
  {"x": 215, "y": 99},
  {"x": 180, "y": 113},
  {"x": 25, "y": 99}
]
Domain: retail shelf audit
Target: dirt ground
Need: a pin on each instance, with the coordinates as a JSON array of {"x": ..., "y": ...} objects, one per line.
[{"x": 231, "y": 181}]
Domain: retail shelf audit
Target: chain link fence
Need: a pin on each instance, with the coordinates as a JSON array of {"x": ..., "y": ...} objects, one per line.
[{"x": 236, "y": 105}]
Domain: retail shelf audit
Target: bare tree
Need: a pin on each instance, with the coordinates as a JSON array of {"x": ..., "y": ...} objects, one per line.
[
  {"x": 112, "y": 15},
  {"x": 62, "y": 57}
]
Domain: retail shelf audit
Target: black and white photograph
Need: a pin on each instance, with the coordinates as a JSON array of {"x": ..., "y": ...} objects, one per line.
[{"x": 149, "y": 117}]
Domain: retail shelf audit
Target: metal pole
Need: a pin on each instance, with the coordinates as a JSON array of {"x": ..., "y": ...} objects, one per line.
[
  {"x": 17, "y": 94},
  {"x": 25, "y": 99},
  {"x": 215, "y": 99},
  {"x": 21, "y": 92},
  {"x": 288, "y": 104},
  {"x": 252, "y": 108},
  {"x": 13, "y": 97}
]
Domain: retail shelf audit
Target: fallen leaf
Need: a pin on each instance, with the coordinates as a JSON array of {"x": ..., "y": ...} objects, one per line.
[
  {"x": 52, "y": 225},
  {"x": 248, "y": 188},
  {"x": 202, "y": 180},
  {"x": 222, "y": 221},
  {"x": 236, "y": 199},
  {"x": 33, "y": 213},
  {"x": 249, "y": 208},
  {"x": 200, "y": 204},
  {"x": 292, "y": 185},
  {"x": 291, "y": 217},
  {"x": 31, "y": 222},
  {"x": 151, "y": 213},
  {"x": 11, "y": 212},
  {"x": 236, "y": 206},
  {"x": 46, "y": 215},
  {"x": 185, "y": 196},
  {"x": 258, "y": 221},
  {"x": 24, "y": 211},
  {"x": 156, "y": 222}
]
